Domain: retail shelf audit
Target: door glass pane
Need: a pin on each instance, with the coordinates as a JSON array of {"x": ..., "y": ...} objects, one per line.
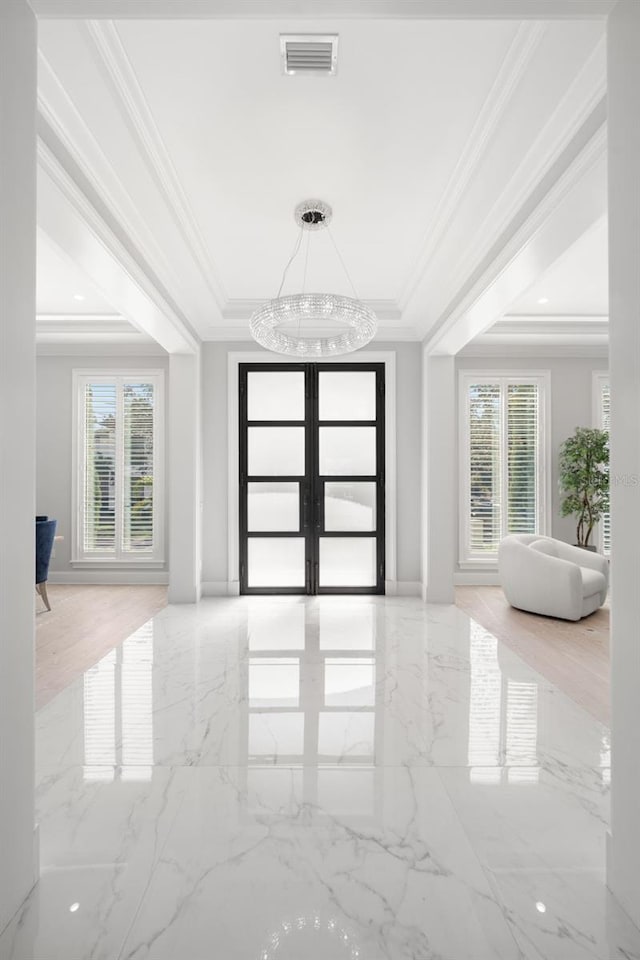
[
  {"x": 347, "y": 562},
  {"x": 273, "y": 506},
  {"x": 347, "y": 451},
  {"x": 276, "y": 451},
  {"x": 349, "y": 506},
  {"x": 347, "y": 395},
  {"x": 275, "y": 395},
  {"x": 276, "y": 562}
]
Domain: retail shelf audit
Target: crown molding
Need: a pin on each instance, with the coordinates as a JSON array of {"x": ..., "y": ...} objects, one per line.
[
  {"x": 513, "y": 68},
  {"x": 74, "y": 210},
  {"x": 79, "y": 327},
  {"x": 582, "y": 108},
  {"x": 237, "y": 309},
  {"x": 240, "y": 333},
  {"x": 93, "y": 349},
  {"x": 60, "y": 117},
  {"x": 543, "y": 327},
  {"x": 325, "y": 9},
  {"x": 73, "y": 320},
  {"x": 576, "y": 351},
  {"x": 112, "y": 56},
  {"x": 518, "y": 318},
  {"x": 573, "y": 195},
  {"x": 584, "y": 100}
]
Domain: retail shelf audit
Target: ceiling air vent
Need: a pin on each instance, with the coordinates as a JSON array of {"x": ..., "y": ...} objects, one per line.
[{"x": 314, "y": 54}]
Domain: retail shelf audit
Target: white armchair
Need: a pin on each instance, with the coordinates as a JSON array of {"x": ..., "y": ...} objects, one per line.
[{"x": 547, "y": 576}]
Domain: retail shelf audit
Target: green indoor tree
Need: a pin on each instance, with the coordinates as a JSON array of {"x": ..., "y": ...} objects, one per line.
[{"x": 584, "y": 479}]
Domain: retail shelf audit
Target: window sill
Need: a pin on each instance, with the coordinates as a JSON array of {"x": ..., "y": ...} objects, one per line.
[
  {"x": 479, "y": 563},
  {"x": 117, "y": 564}
]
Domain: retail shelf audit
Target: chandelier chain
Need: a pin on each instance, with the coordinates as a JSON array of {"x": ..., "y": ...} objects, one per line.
[
  {"x": 344, "y": 266},
  {"x": 296, "y": 248},
  {"x": 304, "y": 276}
]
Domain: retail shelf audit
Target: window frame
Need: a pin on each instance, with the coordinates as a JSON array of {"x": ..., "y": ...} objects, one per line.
[
  {"x": 120, "y": 558},
  {"x": 599, "y": 379},
  {"x": 542, "y": 378}
]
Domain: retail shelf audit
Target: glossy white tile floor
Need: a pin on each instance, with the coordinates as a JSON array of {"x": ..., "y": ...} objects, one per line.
[{"x": 290, "y": 779}]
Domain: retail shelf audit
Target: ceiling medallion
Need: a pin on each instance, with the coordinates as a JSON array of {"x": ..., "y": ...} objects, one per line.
[{"x": 280, "y": 324}]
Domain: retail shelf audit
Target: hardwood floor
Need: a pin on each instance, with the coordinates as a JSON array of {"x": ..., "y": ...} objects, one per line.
[
  {"x": 573, "y": 656},
  {"x": 84, "y": 624}
]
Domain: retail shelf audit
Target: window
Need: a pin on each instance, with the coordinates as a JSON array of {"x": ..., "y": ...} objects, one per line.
[
  {"x": 602, "y": 409},
  {"x": 118, "y": 474},
  {"x": 503, "y": 458}
]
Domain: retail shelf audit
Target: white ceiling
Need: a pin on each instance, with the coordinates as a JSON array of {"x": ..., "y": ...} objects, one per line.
[
  {"x": 576, "y": 285},
  {"x": 70, "y": 310},
  {"x": 426, "y": 142},
  {"x": 62, "y": 288},
  {"x": 379, "y": 141}
]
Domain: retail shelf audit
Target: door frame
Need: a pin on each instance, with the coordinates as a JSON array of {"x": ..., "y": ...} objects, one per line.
[{"x": 234, "y": 359}]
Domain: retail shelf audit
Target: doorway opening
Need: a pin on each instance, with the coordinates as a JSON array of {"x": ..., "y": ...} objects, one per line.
[{"x": 312, "y": 480}]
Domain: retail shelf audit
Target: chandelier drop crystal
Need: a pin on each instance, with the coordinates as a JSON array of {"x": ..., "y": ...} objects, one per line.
[{"x": 280, "y": 324}]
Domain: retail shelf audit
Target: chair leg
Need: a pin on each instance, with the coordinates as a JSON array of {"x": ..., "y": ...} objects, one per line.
[{"x": 42, "y": 590}]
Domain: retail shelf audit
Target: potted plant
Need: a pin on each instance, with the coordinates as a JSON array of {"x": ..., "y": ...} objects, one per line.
[{"x": 584, "y": 480}]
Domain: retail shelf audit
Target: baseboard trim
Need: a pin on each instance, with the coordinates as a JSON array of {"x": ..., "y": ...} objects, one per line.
[
  {"x": 116, "y": 577},
  {"x": 477, "y": 578},
  {"x": 402, "y": 588},
  {"x": 220, "y": 588}
]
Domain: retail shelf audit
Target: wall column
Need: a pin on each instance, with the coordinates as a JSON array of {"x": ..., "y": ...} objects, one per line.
[
  {"x": 18, "y": 845},
  {"x": 185, "y": 478},
  {"x": 624, "y": 316},
  {"x": 439, "y": 478}
]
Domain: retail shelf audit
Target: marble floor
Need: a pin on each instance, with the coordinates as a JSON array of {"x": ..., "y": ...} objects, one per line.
[{"x": 348, "y": 778}]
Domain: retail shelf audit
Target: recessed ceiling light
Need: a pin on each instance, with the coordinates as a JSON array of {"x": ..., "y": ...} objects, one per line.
[
  {"x": 543, "y": 300},
  {"x": 74, "y": 907},
  {"x": 78, "y": 296},
  {"x": 540, "y": 907}
]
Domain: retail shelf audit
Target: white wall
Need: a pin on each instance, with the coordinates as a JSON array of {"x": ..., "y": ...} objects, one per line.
[
  {"x": 215, "y": 439},
  {"x": 18, "y": 74},
  {"x": 54, "y": 431},
  {"x": 571, "y": 407}
]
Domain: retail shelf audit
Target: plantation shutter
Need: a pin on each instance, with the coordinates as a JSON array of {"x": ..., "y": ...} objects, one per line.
[
  {"x": 522, "y": 454},
  {"x": 485, "y": 506},
  {"x": 99, "y": 513},
  {"x": 118, "y": 458},
  {"x": 503, "y": 491},
  {"x": 605, "y": 424},
  {"x": 138, "y": 403}
]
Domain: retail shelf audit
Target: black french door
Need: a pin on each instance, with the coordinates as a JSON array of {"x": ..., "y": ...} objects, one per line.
[{"x": 312, "y": 478}]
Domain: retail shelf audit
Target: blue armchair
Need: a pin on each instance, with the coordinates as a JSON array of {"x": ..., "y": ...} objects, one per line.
[{"x": 45, "y": 533}]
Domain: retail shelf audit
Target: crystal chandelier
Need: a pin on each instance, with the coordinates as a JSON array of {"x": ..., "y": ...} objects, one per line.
[{"x": 280, "y": 324}]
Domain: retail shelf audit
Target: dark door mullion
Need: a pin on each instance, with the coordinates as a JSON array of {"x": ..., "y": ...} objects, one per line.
[
  {"x": 316, "y": 487},
  {"x": 279, "y": 478},
  {"x": 347, "y": 423},
  {"x": 356, "y": 534},
  {"x": 380, "y": 467},
  {"x": 275, "y": 423},
  {"x": 311, "y": 487}
]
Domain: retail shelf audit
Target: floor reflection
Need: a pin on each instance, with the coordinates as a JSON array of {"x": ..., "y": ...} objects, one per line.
[
  {"x": 312, "y": 703},
  {"x": 118, "y": 712},
  {"x": 503, "y": 718}
]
